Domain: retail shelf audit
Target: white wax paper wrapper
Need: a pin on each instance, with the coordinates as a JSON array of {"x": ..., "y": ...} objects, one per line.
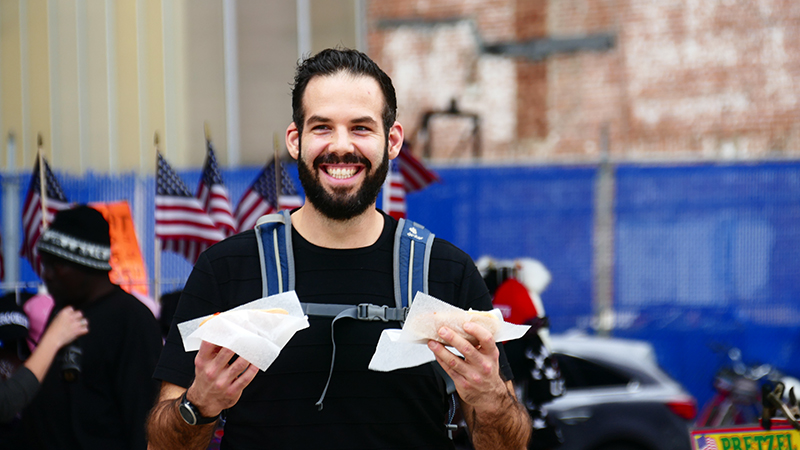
[
  {"x": 408, "y": 347},
  {"x": 247, "y": 330}
]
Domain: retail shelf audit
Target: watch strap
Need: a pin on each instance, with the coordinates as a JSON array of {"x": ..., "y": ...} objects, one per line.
[{"x": 191, "y": 414}]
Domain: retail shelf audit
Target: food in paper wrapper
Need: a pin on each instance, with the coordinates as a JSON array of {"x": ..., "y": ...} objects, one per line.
[
  {"x": 256, "y": 331},
  {"x": 408, "y": 347},
  {"x": 207, "y": 319},
  {"x": 428, "y": 314},
  {"x": 271, "y": 311},
  {"x": 427, "y": 326}
]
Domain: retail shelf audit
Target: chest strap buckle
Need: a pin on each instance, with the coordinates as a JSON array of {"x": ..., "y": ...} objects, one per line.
[{"x": 368, "y": 311}]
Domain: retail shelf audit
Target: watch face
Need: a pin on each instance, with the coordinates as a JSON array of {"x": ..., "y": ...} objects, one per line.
[{"x": 187, "y": 412}]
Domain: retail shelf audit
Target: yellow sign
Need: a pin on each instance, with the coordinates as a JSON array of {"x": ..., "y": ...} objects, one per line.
[
  {"x": 127, "y": 264},
  {"x": 780, "y": 437}
]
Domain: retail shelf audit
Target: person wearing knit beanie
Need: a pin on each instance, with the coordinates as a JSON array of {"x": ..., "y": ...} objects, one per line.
[
  {"x": 76, "y": 254},
  {"x": 99, "y": 389},
  {"x": 80, "y": 235}
]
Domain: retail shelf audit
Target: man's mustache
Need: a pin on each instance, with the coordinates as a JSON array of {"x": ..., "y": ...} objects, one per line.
[{"x": 347, "y": 158}]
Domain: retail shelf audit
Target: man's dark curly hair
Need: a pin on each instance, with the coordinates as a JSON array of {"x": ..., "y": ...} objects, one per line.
[{"x": 332, "y": 61}]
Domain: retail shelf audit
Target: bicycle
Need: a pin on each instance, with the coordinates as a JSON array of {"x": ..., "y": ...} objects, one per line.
[{"x": 738, "y": 397}]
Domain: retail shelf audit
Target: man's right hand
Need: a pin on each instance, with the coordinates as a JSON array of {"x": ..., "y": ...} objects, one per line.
[
  {"x": 218, "y": 385},
  {"x": 218, "y": 382}
]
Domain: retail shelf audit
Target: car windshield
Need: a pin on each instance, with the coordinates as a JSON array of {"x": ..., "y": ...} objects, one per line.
[{"x": 582, "y": 374}]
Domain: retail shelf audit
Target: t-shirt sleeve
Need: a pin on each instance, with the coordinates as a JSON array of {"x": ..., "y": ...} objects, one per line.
[
  {"x": 16, "y": 392},
  {"x": 200, "y": 297}
]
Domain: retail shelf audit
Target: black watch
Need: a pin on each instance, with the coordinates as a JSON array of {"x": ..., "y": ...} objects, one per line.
[{"x": 191, "y": 415}]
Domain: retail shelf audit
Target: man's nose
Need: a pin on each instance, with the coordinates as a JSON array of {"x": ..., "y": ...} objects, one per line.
[{"x": 341, "y": 142}]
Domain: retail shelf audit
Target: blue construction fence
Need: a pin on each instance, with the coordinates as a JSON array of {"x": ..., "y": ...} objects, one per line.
[{"x": 704, "y": 255}]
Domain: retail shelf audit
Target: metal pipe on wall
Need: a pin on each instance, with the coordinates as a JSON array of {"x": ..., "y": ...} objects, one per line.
[
  {"x": 11, "y": 214},
  {"x": 230, "y": 31},
  {"x": 603, "y": 241},
  {"x": 303, "y": 28}
]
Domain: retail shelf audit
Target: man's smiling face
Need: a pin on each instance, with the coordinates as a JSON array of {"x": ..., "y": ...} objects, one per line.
[{"x": 343, "y": 152}]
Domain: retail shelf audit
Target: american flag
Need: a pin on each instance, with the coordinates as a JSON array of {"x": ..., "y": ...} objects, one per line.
[
  {"x": 394, "y": 192},
  {"x": 213, "y": 194},
  {"x": 706, "y": 443},
  {"x": 260, "y": 198},
  {"x": 406, "y": 174},
  {"x": 415, "y": 175},
  {"x": 182, "y": 224},
  {"x": 32, "y": 212}
]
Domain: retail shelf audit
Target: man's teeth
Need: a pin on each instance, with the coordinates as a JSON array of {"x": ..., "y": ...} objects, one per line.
[{"x": 341, "y": 172}]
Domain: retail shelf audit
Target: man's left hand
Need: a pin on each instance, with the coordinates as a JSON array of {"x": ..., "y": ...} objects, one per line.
[
  {"x": 495, "y": 418},
  {"x": 477, "y": 375}
]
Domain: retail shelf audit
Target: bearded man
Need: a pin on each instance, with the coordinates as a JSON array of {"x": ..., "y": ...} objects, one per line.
[{"x": 343, "y": 135}]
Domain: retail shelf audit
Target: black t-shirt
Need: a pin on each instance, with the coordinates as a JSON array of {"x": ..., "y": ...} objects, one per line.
[
  {"x": 106, "y": 406},
  {"x": 363, "y": 409}
]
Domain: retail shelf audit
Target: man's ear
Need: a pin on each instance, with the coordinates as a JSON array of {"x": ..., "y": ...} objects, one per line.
[
  {"x": 395, "y": 140},
  {"x": 293, "y": 140}
]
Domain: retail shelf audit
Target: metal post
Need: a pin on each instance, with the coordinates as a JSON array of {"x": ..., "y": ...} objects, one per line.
[
  {"x": 230, "y": 32},
  {"x": 361, "y": 25},
  {"x": 303, "y": 28},
  {"x": 277, "y": 158},
  {"x": 11, "y": 214},
  {"x": 156, "y": 241},
  {"x": 603, "y": 242}
]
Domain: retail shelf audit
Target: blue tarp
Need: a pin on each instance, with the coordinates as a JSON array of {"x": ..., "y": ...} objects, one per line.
[
  {"x": 704, "y": 254},
  {"x": 710, "y": 256}
]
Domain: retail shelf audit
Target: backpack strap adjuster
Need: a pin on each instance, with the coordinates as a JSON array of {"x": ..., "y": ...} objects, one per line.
[{"x": 368, "y": 311}]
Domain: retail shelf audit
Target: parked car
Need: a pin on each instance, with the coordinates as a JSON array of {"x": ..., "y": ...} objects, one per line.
[{"x": 617, "y": 397}]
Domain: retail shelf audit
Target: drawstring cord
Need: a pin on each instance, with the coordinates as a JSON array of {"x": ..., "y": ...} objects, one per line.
[{"x": 333, "y": 358}]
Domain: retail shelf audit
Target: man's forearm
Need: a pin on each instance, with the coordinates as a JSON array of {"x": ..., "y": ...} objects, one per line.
[
  {"x": 508, "y": 427},
  {"x": 166, "y": 430}
]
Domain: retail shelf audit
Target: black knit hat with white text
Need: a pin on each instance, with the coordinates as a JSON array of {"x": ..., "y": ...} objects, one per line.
[{"x": 80, "y": 235}]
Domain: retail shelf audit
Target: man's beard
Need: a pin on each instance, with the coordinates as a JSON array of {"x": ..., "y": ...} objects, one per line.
[{"x": 340, "y": 205}]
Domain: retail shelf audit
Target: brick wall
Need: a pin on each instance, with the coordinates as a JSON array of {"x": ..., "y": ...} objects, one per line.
[{"x": 684, "y": 80}]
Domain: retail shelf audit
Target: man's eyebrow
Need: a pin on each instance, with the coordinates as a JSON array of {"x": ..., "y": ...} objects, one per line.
[
  {"x": 316, "y": 118},
  {"x": 365, "y": 120}
]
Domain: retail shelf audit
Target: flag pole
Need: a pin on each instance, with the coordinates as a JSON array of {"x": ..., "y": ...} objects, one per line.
[
  {"x": 277, "y": 157},
  {"x": 42, "y": 182},
  {"x": 157, "y": 248},
  {"x": 387, "y": 183}
]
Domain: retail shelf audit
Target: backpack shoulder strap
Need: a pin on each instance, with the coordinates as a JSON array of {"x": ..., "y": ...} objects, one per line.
[
  {"x": 274, "y": 236},
  {"x": 412, "y": 254}
]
